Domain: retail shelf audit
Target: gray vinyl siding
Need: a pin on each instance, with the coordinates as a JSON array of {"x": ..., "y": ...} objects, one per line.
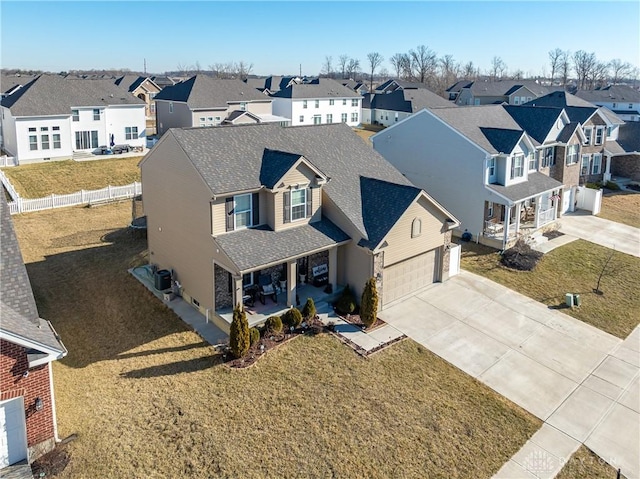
[
  {"x": 282, "y": 107},
  {"x": 180, "y": 118},
  {"x": 438, "y": 159}
]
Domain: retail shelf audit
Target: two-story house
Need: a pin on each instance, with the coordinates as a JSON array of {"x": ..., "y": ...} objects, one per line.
[
  {"x": 480, "y": 164},
  {"x": 205, "y": 101},
  {"x": 389, "y": 107},
  {"x": 51, "y": 118},
  {"x": 512, "y": 92},
  {"x": 623, "y": 100},
  {"x": 145, "y": 89},
  {"x": 599, "y": 125},
  {"x": 230, "y": 205},
  {"x": 28, "y": 346},
  {"x": 318, "y": 101}
]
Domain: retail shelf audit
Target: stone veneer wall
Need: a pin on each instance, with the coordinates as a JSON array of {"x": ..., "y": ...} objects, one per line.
[
  {"x": 446, "y": 257},
  {"x": 224, "y": 297},
  {"x": 314, "y": 260},
  {"x": 378, "y": 267}
]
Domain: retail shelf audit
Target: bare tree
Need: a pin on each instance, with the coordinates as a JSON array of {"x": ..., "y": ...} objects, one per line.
[
  {"x": 449, "y": 72},
  {"x": 423, "y": 63},
  {"x": 555, "y": 58},
  {"x": 396, "y": 63},
  {"x": 584, "y": 63},
  {"x": 619, "y": 70},
  {"x": 599, "y": 75},
  {"x": 609, "y": 267},
  {"x": 469, "y": 71},
  {"x": 517, "y": 75},
  {"x": 343, "y": 60},
  {"x": 375, "y": 59},
  {"x": 498, "y": 67},
  {"x": 565, "y": 66},
  {"x": 243, "y": 69},
  {"x": 196, "y": 67},
  {"x": 327, "y": 67},
  {"x": 183, "y": 69},
  {"x": 353, "y": 68}
]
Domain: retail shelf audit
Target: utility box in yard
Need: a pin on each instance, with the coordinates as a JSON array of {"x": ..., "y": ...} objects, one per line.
[{"x": 568, "y": 298}]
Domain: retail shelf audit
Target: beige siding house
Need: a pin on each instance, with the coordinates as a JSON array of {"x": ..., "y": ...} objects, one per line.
[{"x": 234, "y": 211}]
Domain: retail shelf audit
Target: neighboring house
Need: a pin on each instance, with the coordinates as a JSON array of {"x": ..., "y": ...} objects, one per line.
[
  {"x": 512, "y": 92},
  {"x": 51, "y": 118},
  {"x": 318, "y": 101},
  {"x": 28, "y": 345},
  {"x": 395, "y": 84},
  {"x": 205, "y": 101},
  {"x": 394, "y": 106},
  {"x": 272, "y": 84},
  {"x": 623, "y": 100},
  {"x": 163, "y": 81},
  {"x": 625, "y": 152},
  {"x": 264, "y": 198},
  {"x": 599, "y": 125},
  {"x": 480, "y": 164},
  {"x": 11, "y": 83},
  {"x": 357, "y": 86},
  {"x": 145, "y": 89}
]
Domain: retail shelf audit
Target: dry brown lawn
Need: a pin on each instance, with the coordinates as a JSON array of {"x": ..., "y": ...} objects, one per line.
[
  {"x": 149, "y": 399},
  {"x": 622, "y": 207},
  {"x": 572, "y": 268},
  {"x": 585, "y": 463},
  {"x": 63, "y": 177},
  {"x": 365, "y": 135}
]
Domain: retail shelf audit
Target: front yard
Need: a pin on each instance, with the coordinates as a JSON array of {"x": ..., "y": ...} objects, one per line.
[
  {"x": 572, "y": 268},
  {"x": 148, "y": 398},
  {"x": 622, "y": 207},
  {"x": 63, "y": 177}
]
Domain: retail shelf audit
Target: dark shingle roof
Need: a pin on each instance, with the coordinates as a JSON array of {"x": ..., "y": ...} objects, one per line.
[
  {"x": 333, "y": 149},
  {"x": 610, "y": 94},
  {"x": 567, "y": 132},
  {"x": 254, "y": 247},
  {"x": 409, "y": 101},
  {"x": 18, "y": 311},
  {"x": 318, "y": 88},
  {"x": 560, "y": 99},
  {"x": 629, "y": 136},
  {"x": 536, "y": 121},
  {"x": 10, "y": 82},
  {"x": 504, "y": 141},
  {"x": 274, "y": 166},
  {"x": 459, "y": 85},
  {"x": 537, "y": 183},
  {"x": 506, "y": 87},
  {"x": 201, "y": 92},
  {"x": 54, "y": 95}
]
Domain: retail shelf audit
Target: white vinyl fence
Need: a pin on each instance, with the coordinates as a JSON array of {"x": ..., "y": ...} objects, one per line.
[
  {"x": 8, "y": 186},
  {"x": 589, "y": 199},
  {"x": 8, "y": 161},
  {"x": 110, "y": 193}
]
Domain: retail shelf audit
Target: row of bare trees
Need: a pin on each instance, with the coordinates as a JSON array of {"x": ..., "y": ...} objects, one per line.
[
  {"x": 239, "y": 69},
  {"x": 589, "y": 71}
]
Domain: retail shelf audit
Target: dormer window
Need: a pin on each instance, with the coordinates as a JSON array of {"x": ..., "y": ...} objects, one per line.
[
  {"x": 416, "y": 227},
  {"x": 298, "y": 204},
  {"x": 517, "y": 166},
  {"x": 599, "y": 134}
]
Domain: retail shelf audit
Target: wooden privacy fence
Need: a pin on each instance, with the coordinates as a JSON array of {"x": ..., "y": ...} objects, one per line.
[{"x": 83, "y": 197}]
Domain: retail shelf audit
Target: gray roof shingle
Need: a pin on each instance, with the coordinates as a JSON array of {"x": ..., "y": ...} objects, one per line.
[
  {"x": 204, "y": 92},
  {"x": 333, "y": 149},
  {"x": 610, "y": 94},
  {"x": 409, "y": 101},
  {"x": 505, "y": 87},
  {"x": 567, "y": 132},
  {"x": 55, "y": 95},
  {"x": 536, "y": 121},
  {"x": 274, "y": 166},
  {"x": 254, "y": 247},
  {"x": 317, "y": 88},
  {"x": 18, "y": 311},
  {"x": 629, "y": 136},
  {"x": 536, "y": 183}
]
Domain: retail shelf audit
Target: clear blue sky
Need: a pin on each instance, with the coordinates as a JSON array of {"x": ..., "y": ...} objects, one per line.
[{"x": 278, "y": 36}]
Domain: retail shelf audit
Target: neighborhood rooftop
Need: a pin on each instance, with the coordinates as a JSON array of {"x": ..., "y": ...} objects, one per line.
[
  {"x": 502, "y": 87},
  {"x": 55, "y": 95},
  {"x": 410, "y": 100},
  {"x": 317, "y": 88},
  {"x": 610, "y": 94}
]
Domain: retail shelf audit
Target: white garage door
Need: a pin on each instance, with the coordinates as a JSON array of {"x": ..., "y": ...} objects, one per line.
[
  {"x": 402, "y": 279},
  {"x": 13, "y": 432}
]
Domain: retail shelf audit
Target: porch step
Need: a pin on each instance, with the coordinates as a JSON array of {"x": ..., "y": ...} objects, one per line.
[
  {"x": 81, "y": 155},
  {"x": 537, "y": 238}
]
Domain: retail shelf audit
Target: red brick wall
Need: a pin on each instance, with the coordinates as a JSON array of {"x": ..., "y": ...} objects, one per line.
[{"x": 13, "y": 364}]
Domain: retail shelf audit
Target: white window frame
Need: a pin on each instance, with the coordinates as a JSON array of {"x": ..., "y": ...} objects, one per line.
[
  {"x": 317, "y": 103},
  {"x": 416, "y": 227},
  {"x": 75, "y": 115},
  {"x": 517, "y": 166},
  {"x": 573, "y": 154},
  {"x": 170, "y": 107},
  {"x": 354, "y": 117},
  {"x": 584, "y": 169},
  {"x": 57, "y": 143},
  {"x": 344, "y": 102},
  {"x": 344, "y": 118},
  {"x": 516, "y": 100},
  {"x": 236, "y": 212},
  {"x": 354, "y": 102},
  {"x": 490, "y": 209},
  {"x": 596, "y": 164},
  {"x": 304, "y": 104},
  {"x": 599, "y": 132},
  {"x": 33, "y": 142},
  {"x": 96, "y": 114},
  {"x": 301, "y": 118},
  {"x": 532, "y": 163},
  {"x": 131, "y": 132},
  {"x": 298, "y": 204},
  {"x": 609, "y": 131},
  {"x": 491, "y": 167},
  {"x": 329, "y": 118},
  {"x": 45, "y": 143},
  {"x": 331, "y": 102},
  {"x": 317, "y": 119},
  {"x": 588, "y": 134}
]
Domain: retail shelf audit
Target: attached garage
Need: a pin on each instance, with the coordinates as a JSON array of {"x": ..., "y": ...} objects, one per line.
[
  {"x": 13, "y": 432},
  {"x": 406, "y": 277}
]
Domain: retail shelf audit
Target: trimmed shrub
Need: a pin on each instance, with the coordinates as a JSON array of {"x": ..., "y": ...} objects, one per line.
[
  {"x": 273, "y": 324},
  {"x": 309, "y": 310},
  {"x": 239, "y": 333},
  {"x": 521, "y": 257},
  {"x": 346, "y": 304},
  {"x": 254, "y": 336},
  {"x": 369, "y": 303},
  {"x": 292, "y": 317},
  {"x": 612, "y": 186}
]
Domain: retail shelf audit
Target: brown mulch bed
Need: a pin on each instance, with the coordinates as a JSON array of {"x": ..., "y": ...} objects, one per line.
[
  {"x": 52, "y": 463},
  {"x": 356, "y": 321},
  {"x": 552, "y": 234},
  {"x": 271, "y": 341}
]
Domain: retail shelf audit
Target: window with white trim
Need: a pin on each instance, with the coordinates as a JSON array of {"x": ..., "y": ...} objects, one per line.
[
  {"x": 304, "y": 103},
  {"x": 33, "y": 142},
  {"x": 588, "y": 132},
  {"x": 615, "y": 105},
  {"x": 44, "y": 139},
  {"x": 547, "y": 157},
  {"x": 75, "y": 115},
  {"x": 344, "y": 118},
  {"x": 492, "y": 168},
  {"x": 599, "y": 135},
  {"x": 630, "y": 106},
  {"x": 242, "y": 211},
  {"x": 516, "y": 100},
  {"x": 298, "y": 204},
  {"x": 56, "y": 141},
  {"x": 331, "y": 101},
  {"x": 533, "y": 164},
  {"x": 517, "y": 166},
  {"x": 416, "y": 227},
  {"x": 344, "y": 102},
  {"x": 96, "y": 114},
  {"x": 596, "y": 165},
  {"x": 354, "y": 117},
  {"x": 584, "y": 164},
  {"x": 301, "y": 118},
  {"x": 609, "y": 131},
  {"x": 243, "y": 106},
  {"x": 354, "y": 102},
  {"x": 317, "y": 104},
  {"x": 329, "y": 118},
  {"x": 131, "y": 132},
  {"x": 572, "y": 154},
  {"x": 317, "y": 119}
]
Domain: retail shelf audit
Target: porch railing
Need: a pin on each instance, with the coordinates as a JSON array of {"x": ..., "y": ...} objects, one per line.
[{"x": 546, "y": 216}]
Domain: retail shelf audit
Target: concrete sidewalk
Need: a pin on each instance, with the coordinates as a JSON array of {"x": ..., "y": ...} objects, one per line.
[{"x": 606, "y": 233}]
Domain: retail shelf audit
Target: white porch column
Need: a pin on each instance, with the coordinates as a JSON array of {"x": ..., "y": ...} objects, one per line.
[
  {"x": 518, "y": 213},
  {"x": 607, "y": 169},
  {"x": 333, "y": 267},
  {"x": 507, "y": 220},
  {"x": 292, "y": 280},
  {"x": 237, "y": 290}
]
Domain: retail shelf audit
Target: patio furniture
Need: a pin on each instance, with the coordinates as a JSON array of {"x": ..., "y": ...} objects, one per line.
[{"x": 267, "y": 288}]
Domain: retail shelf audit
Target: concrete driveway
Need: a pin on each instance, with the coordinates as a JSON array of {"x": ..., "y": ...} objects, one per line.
[
  {"x": 603, "y": 232},
  {"x": 567, "y": 373}
]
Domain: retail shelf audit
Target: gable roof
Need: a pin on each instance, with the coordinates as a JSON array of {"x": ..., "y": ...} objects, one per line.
[
  {"x": 568, "y": 131},
  {"x": 459, "y": 85},
  {"x": 629, "y": 136},
  {"x": 129, "y": 82},
  {"x": 9, "y": 83},
  {"x": 488, "y": 126},
  {"x": 276, "y": 164},
  {"x": 54, "y": 95},
  {"x": 409, "y": 101},
  {"x": 504, "y": 87},
  {"x": 560, "y": 99},
  {"x": 610, "y": 94},
  {"x": 18, "y": 311},
  {"x": 317, "y": 88},
  {"x": 333, "y": 149},
  {"x": 536, "y": 121},
  {"x": 203, "y": 92}
]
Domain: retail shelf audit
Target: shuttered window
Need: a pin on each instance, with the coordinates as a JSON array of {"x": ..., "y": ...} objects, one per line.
[
  {"x": 286, "y": 203},
  {"x": 255, "y": 200},
  {"x": 228, "y": 205}
]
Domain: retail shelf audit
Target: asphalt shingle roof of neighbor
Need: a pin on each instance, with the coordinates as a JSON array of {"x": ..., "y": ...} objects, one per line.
[
  {"x": 611, "y": 116},
  {"x": 536, "y": 121},
  {"x": 476, "y": 122},
  {"x": 626, "y": 112},
  {"x": 568, "y": 131},
  {"x": 255, "y": 247},
  {"x": 629, "y": 136},
  {"x": 274, "y": 166},
  {"x": 18, "y": 311},
  {"x": 560, "y": 99},
  {"x": 333, "y": 149},
  {"x": 536, "y": 183},
  {"x": 54, "y": 95},
  {"x": 610, "y": 94},
  {"x": 9, "y": 82},
  {"x": 409, "y": 101},
  {"x": 318, "y": 88},
  {"x": 202, "y": 91},
  {"x": 505, "y": 87},
  {"x": 130, "y": 82}
]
